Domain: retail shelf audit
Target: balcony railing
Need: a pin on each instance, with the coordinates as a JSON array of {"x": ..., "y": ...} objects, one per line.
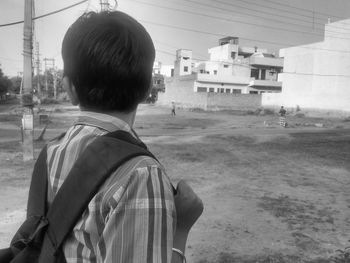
[
  {"x": 269, "y": 62},
  {"x": 223, "y": 79},
  {"x": 265, "y": 83}
]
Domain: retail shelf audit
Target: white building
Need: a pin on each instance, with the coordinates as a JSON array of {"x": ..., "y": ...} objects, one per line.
[
  {"x": 231, "y": 69},
  {"x": 167, "y": 70},
  {"x": 317, "y": 76},
  {"x": 183, "y": 63}
]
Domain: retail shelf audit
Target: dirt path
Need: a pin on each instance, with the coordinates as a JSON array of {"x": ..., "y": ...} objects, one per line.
[{"x": 271, "y": 194}]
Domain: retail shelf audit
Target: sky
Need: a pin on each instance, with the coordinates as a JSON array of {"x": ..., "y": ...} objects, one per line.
[{"x": 175, "y": 24}]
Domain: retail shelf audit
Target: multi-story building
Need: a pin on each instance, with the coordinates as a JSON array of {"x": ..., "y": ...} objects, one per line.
[
  {"x": 316, "y": 76},
  {"x": 231, "y": 69}
]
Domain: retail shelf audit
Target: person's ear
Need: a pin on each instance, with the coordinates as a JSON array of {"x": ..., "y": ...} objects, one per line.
[{"x": 70, "y": 88}]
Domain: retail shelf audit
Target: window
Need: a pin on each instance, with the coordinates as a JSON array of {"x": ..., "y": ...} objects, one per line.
[
  {"x": 254, "y": 73},
  {"x": 185, "y": 69},
  {"x": 201, "y": 89},
  {"x": 207, "y": 72},
  {"x": 253, "y": 92},
  {"x": 215, "y": 72},
  {"x": 211, "y": 89},
  {"x": 263, "y": 74},
  {"x": 225, "y": 66},
  {"x": 228, "y": 91},
  {"x": 172, "y": 72},
  {"x": 221, "y": 90},
  {"x": 237, "y": 91},
  {"x": 201, "y": 71},
  {"x": 233, "y": 55}
]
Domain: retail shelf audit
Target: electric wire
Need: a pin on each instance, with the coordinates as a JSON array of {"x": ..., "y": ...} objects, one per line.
[
  {"x": 274, "y": 14},
  {"x": 268, "y": 13},
  {"x": 244, "y": 38},
  {"x": 236, "y": 21},
  {"x": 304, "y": 9},
  {"x": 45, "y": 15}
]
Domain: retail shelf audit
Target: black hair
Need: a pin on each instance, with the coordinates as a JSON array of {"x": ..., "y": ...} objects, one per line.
[{"x": 109, "y": 57}]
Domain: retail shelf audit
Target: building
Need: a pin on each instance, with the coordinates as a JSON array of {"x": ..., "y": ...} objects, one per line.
[
  {"x": 165, "y": 70},
  {"x": 317, "y": 76},
  {"x": 183, "y": 64},
  {"x": 233, "y": 78},
  {"x": 231, "y": 69}
]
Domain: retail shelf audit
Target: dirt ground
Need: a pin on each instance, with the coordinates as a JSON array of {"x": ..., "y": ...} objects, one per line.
[{"x": 271, "y": 194}]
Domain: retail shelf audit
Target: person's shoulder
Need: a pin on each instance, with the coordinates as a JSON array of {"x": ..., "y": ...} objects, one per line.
[{"x": 134, "y": 180}]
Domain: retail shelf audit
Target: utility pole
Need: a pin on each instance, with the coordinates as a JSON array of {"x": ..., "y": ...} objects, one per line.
[
  {"x": 37, "y": 63},
  {"x": 27, "y": 95},
  {"x": 49, "y": 64},
  {"x": 54, "y": 75},
  {"x": 104, "y": 5}
]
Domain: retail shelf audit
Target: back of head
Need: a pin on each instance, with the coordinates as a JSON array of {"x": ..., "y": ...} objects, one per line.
[{"x": 108, "y": 57}]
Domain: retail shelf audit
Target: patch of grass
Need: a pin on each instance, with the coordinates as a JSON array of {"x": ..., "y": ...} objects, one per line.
[
  {"x": 10, "y": 118},
  {"x": 273, "y": 258},
  {"x": 47, "y": 101},
  {"x": 298, "y": 214}
]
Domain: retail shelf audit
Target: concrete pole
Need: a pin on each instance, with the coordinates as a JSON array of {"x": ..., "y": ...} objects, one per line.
[
  {"x": 38, "y": 70},
  {"x": 54, "y": 75},
  {"x": 27, "y": 95},
  {"x": 104, "y": 5},
  {"x": 46, "y": 81}
]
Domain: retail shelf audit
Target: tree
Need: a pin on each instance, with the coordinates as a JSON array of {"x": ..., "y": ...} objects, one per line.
[
  {"x": 5, "y": 83},
  {"x": 16, "y": 84}
]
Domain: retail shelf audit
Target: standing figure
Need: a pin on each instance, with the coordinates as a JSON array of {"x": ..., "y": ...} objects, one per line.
[
  {"x": 173, "y": 108},
  {"x": 282, "y": 113}
]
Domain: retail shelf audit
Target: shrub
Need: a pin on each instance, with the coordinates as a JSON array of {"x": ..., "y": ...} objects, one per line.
[{"x": 46, "y": 101}]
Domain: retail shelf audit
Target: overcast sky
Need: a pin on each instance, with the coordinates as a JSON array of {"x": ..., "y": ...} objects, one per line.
[{"x": 271, "y": 24}]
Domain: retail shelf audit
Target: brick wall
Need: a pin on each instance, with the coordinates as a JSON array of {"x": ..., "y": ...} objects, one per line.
[
  {"x": 222, "y": 101},
  {"x": 181, "y": 91}
]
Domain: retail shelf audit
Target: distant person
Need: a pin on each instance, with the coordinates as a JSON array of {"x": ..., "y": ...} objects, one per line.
[
  {"x": 173, "y": 113},
  {"x": 282, "y": 113},
  {"x": 135, "y": 216}
]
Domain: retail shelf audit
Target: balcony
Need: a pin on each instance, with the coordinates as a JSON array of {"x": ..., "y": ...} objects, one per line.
[
  {"x": 267, "y": 62},
  {"x": 223, "y": 79},
  {"x": 265, "y": 84}
]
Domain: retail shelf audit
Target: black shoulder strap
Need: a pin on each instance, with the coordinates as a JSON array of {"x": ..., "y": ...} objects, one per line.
[
  {"x": 103, "y": 156},
  {"x": 38, "y": 187}
]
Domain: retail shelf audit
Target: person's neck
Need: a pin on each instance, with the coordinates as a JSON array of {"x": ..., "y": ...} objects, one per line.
[{"x": 128, "y": 117}]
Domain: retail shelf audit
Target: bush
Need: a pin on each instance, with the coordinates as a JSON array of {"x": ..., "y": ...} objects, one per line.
[
  {"x": 46, "y": 101},
  {"x": 269, "y": 112},
  {"x": 300, "y": 115}
]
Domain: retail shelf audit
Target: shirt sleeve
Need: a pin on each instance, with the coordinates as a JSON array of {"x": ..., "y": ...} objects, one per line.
[{"x": 140, "y": 224}]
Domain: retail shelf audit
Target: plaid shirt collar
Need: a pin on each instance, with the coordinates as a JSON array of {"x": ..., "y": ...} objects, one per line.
[{"x": 102, "y": 121}]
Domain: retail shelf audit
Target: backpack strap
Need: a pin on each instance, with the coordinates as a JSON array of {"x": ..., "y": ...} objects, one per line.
[
  {"x": 101, "y": 158},
  {"x": 38, "y": 187}
]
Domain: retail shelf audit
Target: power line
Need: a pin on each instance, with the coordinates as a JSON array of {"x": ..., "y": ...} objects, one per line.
[
  {"x": 248, "y": 39},
  {"x": 315, "y": 74},
  {"x": 240, "y": 12},
  {"x": 274, "y": 14},
  {"x": 45, "y": 15},
  {"x": 304, "y": 9},
  {"x": 277, "y": 9},
  {"x": 313, "y": 17},
  {"x": 236, "y": 21}
]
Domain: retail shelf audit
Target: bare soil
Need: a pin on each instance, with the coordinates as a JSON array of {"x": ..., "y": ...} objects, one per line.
[{"x": 271, "y": 194}]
